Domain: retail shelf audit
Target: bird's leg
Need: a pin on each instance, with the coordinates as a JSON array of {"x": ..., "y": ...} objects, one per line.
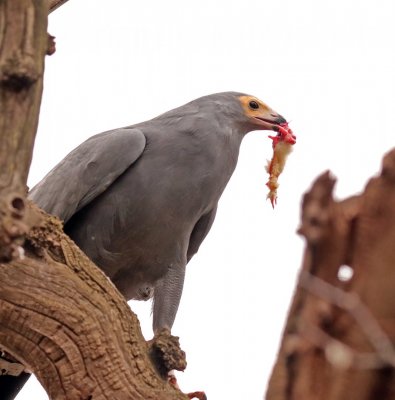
[
  {"x": 167, "y": 296},
  {"x": 165, "y": 347}
]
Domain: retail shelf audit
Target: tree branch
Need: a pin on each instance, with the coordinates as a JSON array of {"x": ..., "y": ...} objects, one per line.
[
  {"x": 60, "y": 316},
  {"x": 54, "y": 4},
  {"x": 64, "y": 320}
]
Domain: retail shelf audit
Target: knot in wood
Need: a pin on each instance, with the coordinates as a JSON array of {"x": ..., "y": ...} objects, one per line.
[
  {"x": 17, "y": 207},
  {"x": 18, "y": 73},
  {"x": 51, "y": 45},
  {"x": 166, "y": 353}
]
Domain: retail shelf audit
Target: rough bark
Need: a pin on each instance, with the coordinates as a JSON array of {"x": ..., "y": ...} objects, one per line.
[
  {"x": 64, "y": 320},
  {"x": 339, "y": 335},
  {"x": 23, "y": 44},
  {"x": 60, "y": 317}
]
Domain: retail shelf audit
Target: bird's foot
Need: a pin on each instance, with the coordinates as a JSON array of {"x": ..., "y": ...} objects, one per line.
[
  {"x": 197, "y": 395},
  {"x": 193, "y": 395}
]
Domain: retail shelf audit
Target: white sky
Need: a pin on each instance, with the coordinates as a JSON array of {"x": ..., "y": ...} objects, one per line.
[{"x": 326, "y": 66}]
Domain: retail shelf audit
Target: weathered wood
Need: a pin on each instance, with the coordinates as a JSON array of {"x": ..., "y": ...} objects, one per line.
[
  {"x": 65, "y": 321},
  {"x": 339, "y": 335},
  {"x": 60, "y": 316},
  {"x": 23, "y": 44}
]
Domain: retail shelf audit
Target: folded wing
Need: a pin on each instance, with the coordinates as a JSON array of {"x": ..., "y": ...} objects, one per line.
[{"x": 88, "y": 171}]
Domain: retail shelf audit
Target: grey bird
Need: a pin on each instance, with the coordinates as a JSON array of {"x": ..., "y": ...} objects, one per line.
[{"x": 140, "y": 200}]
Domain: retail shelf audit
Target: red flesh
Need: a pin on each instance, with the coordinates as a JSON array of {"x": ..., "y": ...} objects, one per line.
[{"x": 284, "y": 134}]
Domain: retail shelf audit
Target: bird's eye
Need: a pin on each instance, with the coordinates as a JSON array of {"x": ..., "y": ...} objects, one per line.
[{"x": 254, "y": 105}]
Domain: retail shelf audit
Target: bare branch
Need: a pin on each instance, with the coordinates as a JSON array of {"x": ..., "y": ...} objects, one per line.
[
  {"x": 65, "y": 321},
  {"x": 54, "y": 4}
]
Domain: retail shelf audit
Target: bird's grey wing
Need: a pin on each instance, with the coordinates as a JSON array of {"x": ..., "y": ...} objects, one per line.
[
  {"x": 88, "y": 171},
  {"x": 200, "y": 231}
]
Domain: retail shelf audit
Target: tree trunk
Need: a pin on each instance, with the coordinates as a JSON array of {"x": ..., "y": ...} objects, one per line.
[
  {"x": 338, "y": 339},
  {"x": 23, "y": 45},
  {"x": 60, "y": 316}
]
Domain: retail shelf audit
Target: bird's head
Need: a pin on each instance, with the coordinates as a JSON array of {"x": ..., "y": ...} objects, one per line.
[{"x": 259, "y": 116}]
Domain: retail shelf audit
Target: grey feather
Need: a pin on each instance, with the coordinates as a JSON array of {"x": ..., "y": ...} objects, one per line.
[
  {"x": 87, "y": 171},
  {"x": 140, "y": 200}
]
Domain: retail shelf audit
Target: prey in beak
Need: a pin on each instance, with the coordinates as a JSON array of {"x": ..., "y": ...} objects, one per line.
[
  {"x": 263, "y": 117},
  {"x": 284, "y": 134}
]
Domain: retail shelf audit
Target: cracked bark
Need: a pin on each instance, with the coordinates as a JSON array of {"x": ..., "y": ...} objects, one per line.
[
  {"x": 60, "y": 316},
  {"x": 339, "y": 335},
  {"x": 65, "y": 321},
  {"x": 23, "y": 44}
]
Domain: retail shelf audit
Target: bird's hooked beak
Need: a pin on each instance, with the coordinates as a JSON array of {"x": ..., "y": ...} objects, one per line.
[{"x": 263, "y": 117}]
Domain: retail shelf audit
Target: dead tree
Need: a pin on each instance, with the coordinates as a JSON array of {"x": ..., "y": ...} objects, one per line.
[
  {"x": 339, "y": 338},
  {"x": 62, "y": 319},
  {"x": 60, "y": 316}
]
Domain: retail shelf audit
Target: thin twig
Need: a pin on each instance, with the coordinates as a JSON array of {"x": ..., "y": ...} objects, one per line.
[{"x": 54, "y": 4}]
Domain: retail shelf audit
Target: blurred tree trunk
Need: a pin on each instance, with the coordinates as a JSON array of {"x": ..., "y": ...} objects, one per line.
[
  {"x": 339, "y": 338},
  {"x": 60, "y": 316}
]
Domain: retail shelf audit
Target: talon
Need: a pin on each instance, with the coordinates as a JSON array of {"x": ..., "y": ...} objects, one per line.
[
  {"x": 171, "y": 378},
  {"x": 197, "y": 395}
]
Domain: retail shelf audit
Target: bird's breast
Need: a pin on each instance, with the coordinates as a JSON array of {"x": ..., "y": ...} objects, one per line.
[{"x": 143, "y": 222}]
